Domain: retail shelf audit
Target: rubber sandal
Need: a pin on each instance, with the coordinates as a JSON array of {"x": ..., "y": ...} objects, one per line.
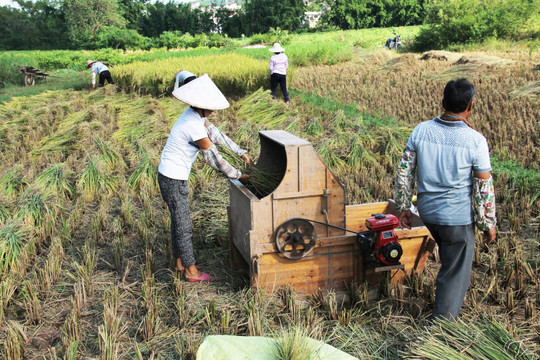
[{"x": 204, "y": 277}]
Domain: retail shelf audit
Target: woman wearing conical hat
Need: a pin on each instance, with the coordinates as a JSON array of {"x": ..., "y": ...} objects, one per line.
[
  {"x": 278, "y": 71},
  {"x": 187, "y": 138}
]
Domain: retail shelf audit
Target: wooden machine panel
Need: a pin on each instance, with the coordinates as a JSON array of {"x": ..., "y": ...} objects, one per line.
[{"x": 307, "y": 189}]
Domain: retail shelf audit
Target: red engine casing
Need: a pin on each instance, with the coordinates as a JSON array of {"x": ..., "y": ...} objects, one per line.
[
  {"x": 387, "y": 222},
  {"x": 387, "y": 248}
]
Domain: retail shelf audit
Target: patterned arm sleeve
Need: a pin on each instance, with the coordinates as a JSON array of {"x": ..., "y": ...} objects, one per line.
[
  {"x": 93, "y": 78},
  {"x": 484, "y": 203},
  {"x": 217, "y": 137},
  {"x": 213, "y": 158},
  {"x": 405, "y": 180}
]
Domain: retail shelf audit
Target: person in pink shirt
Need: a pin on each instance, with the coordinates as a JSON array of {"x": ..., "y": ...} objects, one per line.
[{"x": 278, "y": 71}]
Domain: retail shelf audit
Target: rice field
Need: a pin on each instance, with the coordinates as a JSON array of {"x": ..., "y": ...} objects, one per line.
[
  {"x": 408, "y": 83},
  {"x": 84, "y": 234},
  {"x": 157, "y": 78}
]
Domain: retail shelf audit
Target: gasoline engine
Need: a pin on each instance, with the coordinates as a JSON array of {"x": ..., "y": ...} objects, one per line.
[
  {"x": 296, "y": 238},
  {"x": 382, "y": 239}
]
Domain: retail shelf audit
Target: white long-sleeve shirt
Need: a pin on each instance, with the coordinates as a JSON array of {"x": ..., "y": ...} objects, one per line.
[{"x": 279, "y": 64}]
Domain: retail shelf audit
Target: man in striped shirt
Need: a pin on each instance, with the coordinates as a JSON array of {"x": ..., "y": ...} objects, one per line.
[{"x": 450, "y": 161}]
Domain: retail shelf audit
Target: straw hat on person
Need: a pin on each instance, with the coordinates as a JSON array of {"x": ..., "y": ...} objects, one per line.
[
  {"x": 183, "y": 77},
  {"x": 276, "y": 48},
  {"x": 89, "y": 63},
  {"x": 202, "y": 93}
]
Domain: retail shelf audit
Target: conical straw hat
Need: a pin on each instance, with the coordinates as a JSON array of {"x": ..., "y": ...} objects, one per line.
[
  {"x": 202, "y": 93},
  {"x": 276, "y": 48}
]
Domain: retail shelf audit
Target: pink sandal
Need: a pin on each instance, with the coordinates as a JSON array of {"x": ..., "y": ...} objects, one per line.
[{"x": 204, "y": 277}]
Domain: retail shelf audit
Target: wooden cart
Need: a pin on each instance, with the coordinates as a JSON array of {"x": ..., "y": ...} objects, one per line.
[
  {"x": 309, "y": 190},
  {"x": 31, "y": 73}
]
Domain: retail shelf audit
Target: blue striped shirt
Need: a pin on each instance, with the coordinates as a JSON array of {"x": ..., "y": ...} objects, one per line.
[{"x": 447, "y": 152}]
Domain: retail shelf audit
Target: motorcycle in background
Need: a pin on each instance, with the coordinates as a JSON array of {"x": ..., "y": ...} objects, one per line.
[{"x": 393, "y": 43}]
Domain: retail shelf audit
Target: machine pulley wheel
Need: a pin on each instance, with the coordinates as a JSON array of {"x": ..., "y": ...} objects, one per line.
[{"x": 295, "y": 238}]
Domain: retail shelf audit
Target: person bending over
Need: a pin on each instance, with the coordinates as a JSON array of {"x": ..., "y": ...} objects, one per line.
[{"x": 101, "y": 70}]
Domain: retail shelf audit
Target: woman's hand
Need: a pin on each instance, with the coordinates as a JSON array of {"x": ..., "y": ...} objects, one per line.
[
  {"x": 247, "y": 160},
  {"x": 244, "y": 179}
]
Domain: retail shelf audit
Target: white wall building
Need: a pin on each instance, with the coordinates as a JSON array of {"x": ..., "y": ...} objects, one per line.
[
  {"x": 312, "y": 17},
  {"x": 233, "y": 6}
]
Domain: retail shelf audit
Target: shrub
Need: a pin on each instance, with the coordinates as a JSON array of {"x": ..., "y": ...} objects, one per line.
[
  {"x": 272, "y": 36},
  {"x": 217, "y": 40},
  {"x": 175, "y": 40},
  {"x": 468, "y": 21},
  {"x": 9, "y": 74},
  {"x": 178, "y": 40},
  {"x": 117, "y": 38}
]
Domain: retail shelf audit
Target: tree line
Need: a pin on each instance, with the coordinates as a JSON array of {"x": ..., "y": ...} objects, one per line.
[
  {"x": 91, "y": 24},
  {"x": 141, "y": 24}
]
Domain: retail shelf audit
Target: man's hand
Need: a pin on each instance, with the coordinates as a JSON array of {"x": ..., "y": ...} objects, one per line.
[
  {"x": 247, "y": 160},
  {"x": 244, "y": 178},
  {"x": 490, "y": 236},
  {"x": 405, "y": 219}
]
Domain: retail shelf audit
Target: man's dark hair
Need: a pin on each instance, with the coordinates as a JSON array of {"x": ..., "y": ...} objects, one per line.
[{"x": 457, "y": 95}]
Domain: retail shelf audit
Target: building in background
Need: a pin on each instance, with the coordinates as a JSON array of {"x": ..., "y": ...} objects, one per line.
[
  {"x": 233, "y": 6},
  {"x": 312, "y": 18},
  {"x": 314, "y": 11}
]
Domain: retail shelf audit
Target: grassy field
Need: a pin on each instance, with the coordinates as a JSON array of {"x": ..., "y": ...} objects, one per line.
[
  {"x": 304, "y": 49},
  {"x": 84, "y": 234},
  {"x": 66, "y": 79}
]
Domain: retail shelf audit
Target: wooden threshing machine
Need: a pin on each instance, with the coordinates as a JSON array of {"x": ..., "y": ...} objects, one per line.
[{"x": 302, "y": 233}]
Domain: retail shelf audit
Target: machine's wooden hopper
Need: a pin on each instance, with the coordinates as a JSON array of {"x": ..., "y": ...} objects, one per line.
[{"x": 307, "y": 189}]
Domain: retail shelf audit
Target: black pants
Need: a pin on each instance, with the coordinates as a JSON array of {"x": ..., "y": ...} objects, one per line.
[
  {"x": 280, "y": 79},
  {"x": 105, "y": 75}
]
